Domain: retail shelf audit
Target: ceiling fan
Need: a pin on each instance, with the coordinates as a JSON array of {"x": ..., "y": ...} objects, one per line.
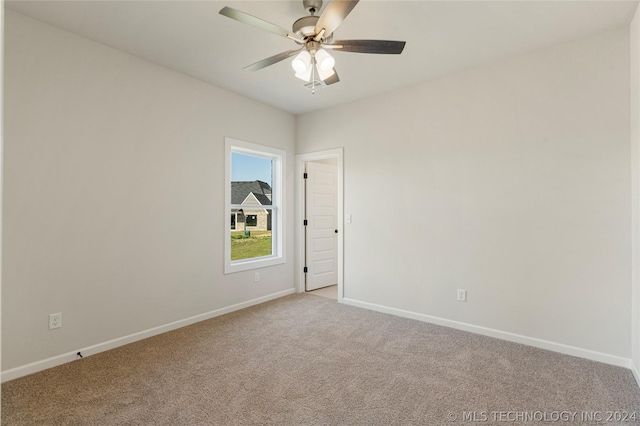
[{"x": 314, "y": 34}]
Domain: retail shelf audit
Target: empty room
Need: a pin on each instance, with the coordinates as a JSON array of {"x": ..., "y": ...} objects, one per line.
[{"x": 320, "y": 212}]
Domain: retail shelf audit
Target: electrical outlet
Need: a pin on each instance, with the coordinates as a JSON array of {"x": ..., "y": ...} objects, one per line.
[
  {"x": 256, "y": 277},
  {"x": 55, "y": 321},
  {"x": 462, "y": 295}
]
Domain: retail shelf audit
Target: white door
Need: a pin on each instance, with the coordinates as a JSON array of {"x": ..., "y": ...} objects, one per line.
[{"x": 321, "y": 211}]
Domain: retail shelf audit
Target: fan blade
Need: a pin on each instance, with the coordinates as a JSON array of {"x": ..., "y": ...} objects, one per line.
[
  {"x": 368, "y": 46},
  {"x": 271, "y": 60},
  {"x": 245, "y": 18},
  {"x": 332, "y": 17},
  {"x": 333, "y": 79}
]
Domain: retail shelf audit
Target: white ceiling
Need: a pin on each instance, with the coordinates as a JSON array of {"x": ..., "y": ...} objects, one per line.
[{"x": 442, "y": 37}]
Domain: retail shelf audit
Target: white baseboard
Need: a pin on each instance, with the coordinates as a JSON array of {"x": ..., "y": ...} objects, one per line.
[
  {"x": 34, "y": 367},
  {"x": 636, "y": 373},
  {"x": 504, "y": 335}
]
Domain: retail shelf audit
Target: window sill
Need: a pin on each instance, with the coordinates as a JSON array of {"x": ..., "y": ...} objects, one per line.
[{"x": 254, "y": 263}]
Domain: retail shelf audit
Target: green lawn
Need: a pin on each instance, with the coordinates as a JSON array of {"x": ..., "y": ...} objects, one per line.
[{"x": 258, "y": 244}]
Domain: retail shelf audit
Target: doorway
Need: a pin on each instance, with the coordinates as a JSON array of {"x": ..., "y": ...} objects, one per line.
[{"x": 319, "y": 257}]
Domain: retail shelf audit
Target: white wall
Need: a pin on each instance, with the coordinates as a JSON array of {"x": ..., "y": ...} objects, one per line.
[
  {"x": 516, "y": 180},
  {"x": 114, "y": 193},
  {"x": 634, "y": 55}
]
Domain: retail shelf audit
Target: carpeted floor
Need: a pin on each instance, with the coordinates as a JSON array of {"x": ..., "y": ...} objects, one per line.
[{"x": 307, "y": 360}]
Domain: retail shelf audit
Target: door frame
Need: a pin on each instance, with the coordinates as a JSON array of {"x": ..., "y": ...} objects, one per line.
[{"x": 301, "y": 160}]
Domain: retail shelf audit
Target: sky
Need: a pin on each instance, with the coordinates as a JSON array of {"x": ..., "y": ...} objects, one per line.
[{"x": 250, "y": 168}]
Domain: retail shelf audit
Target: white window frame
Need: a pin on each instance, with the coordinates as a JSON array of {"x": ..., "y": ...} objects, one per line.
[{"x": 278, "y": 161}]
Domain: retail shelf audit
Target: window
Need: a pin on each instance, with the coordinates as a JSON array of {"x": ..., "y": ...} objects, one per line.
[
  {"x": 252, "y": 220},
  {"x": 254, "y": 199}
]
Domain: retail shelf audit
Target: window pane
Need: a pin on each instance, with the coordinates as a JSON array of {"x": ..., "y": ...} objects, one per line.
[
  {"x": 248, "y": 168},
  {"x": 251, "y": 178},
  {"x": 247, "y": 241}
]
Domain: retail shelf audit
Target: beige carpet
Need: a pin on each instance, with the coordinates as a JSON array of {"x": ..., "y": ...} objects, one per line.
[{"x": 307, "y": 360}]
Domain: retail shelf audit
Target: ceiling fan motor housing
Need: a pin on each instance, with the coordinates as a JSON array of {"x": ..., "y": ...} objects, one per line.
[{"x": 305, "y": 26}]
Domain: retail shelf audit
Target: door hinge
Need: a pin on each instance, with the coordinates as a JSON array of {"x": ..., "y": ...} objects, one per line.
[
  {"x": 304, "y": 176},
  {"x": 305, "y": 270},
  {"x": 305, "y": 223}
]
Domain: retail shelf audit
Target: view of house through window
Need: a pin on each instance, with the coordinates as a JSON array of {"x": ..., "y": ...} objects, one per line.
[
  {"x": 254, "y": 202},
  {"x": 251, "y": 207}
]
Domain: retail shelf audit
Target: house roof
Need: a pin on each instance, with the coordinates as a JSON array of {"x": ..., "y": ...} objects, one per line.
[
  {"x": 263, "y": 199},
  {"x": 240, "y": 190}
]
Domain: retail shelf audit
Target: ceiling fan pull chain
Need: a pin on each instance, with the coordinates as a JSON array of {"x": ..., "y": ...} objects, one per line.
[{"x": 313, "y": 76}]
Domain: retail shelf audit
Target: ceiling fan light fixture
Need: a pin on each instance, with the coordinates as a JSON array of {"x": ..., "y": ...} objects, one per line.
[
  {"x": 325, "y": 61},
  {"x": 306, "y": 73},
  {"x": 325, "y": 74},
  {"x": 302, "y": 62}
]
